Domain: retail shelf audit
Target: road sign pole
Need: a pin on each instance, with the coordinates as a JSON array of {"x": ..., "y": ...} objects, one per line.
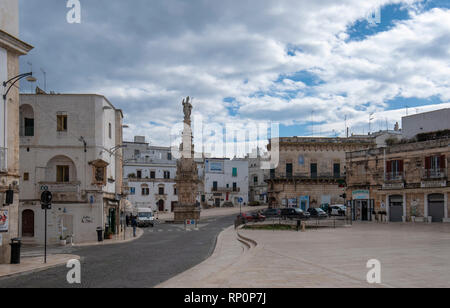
[{"x": 45, "y": 241}]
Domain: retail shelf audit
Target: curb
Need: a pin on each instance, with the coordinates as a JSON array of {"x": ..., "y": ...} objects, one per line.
[
  {"x": 40, "y": 269},
  {"x": 140, "y": 233}
]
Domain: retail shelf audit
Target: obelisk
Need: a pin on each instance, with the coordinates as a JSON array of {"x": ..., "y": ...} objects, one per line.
[{"x": 187, "y": 175}]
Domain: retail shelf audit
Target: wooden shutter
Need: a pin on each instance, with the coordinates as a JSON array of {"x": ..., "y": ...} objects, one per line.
[
  {"x": 388, "y": 166},
  {"x": 428, "y": 163},
  {"x": 400, "y": 165},
  {"x": 442, "y": 162}
]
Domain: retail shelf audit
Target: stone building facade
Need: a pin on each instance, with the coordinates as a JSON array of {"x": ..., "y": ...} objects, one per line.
[
  {"x": 70, "y": 144},
  {"x": 407, "y": 181},
  {"x": 11, "y": 48},
  {"x": 257, "y": 185},
  {"x": 150, "y": 173},
  {"x": 311, "y": 171},
  {"x": 225, "y": 181}
]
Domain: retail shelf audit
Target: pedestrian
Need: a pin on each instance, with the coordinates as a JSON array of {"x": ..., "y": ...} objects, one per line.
[
  {"x": 128, "y": 220},
  {"x": 134, "y": 225}
]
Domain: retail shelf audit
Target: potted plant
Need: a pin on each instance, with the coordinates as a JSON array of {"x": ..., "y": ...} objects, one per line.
[
  {"x": 109, "y": 235},
  {"x": 62, "y": 240}
]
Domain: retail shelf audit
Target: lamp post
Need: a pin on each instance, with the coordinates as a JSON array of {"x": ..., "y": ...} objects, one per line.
[{"x": 11, "y": 83}]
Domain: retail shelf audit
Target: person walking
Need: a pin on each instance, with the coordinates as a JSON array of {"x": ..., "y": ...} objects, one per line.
[{"x": 134, "y": 225}]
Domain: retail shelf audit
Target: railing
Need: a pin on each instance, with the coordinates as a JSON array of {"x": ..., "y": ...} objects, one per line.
[
  {"x": 305, "y": 176},
  {"x": 394, "y": 176},
  {"x": 225, "y": 189},
  {"x": 432, "y": 174},
  {"x": 3, "y": 154}
]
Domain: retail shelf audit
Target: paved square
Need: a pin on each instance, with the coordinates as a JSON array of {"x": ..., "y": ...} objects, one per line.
[{"x": 411, "y": 255}]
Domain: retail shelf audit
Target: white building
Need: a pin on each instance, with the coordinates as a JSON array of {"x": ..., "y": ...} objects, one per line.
[
  {"x": 11, "y": 48},
  {"x": 225, "y": 181},
  {"x": 149, "y": 174},
  {"x": 70, "y": 145},
  {"x": 426, "y": 122},
  {"x": 256, "y": 181}
]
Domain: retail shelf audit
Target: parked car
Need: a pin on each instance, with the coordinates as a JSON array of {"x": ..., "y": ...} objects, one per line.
[
  {"x": 317, "y": 213},
  {"x": 251, "y": 217},
  {"x": 271, "y": 213},
  {"x": 294, "y": 213},
  {"x": 338, "y": 210},
  {"x": 228, "y": 204}
]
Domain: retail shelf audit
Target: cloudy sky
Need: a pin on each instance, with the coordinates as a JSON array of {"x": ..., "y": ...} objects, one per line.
[{"x": 308, "y": 65}]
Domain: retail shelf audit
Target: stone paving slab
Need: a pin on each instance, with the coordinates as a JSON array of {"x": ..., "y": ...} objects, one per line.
[
  {"x": 411, "y": 256},
  {"x": 34, "y": 264}
]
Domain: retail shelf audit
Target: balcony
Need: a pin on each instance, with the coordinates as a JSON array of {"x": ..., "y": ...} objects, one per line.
[
  {"x": 305, "y": 176},
  {"x": 225, "y": 189},
  {"x": 434, "y": 174},
  {"x": 394, "y": 176},
  {"x": 62, "y": 192},
  {"x": 3, "y": 154}
]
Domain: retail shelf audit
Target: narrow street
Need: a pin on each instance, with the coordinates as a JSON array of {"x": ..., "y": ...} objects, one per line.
[{"x": 161, "y": 253}]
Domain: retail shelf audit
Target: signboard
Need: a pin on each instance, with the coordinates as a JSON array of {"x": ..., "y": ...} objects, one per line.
[
  {"x": 4, "y": 220},
  {"x": 304, "y": 203},
  {"x": 190, "y": 222},
  {"x": 214, "y": 166},
  {"x": 361, "y": 194},
  {"x": 292, "y": 202}
]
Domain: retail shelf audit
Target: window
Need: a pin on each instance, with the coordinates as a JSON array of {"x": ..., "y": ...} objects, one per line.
[
  {"x": 26, "y": 176},
  {"x": 214, "y": 186},
  {"x": 255, "y": 179},
  {"x": 175, "y": 191},
  {"x": 152, "y": 174},
  {"x": 289, "y": 170},
  {"x": 29, "y": 127},
  {"x": 145, "y": 191},
  {"x": 272, "y": 173},
  {"x": 337, "y": 170},
  {"x": 132, "y": 190},
  {"x": 139, "y": 174},
  {"x": 167, "y": 174},
  {"x": 314, "y": 170},
  {"x": 62, "y": 174},
  {"x": 61, "y": 123},
  {"x": 169, "y": 156},
  {"x": 235, "y": 187},
  {"x": 136, "y": 153},
  {"x": 161, "y": 190},
  {"x": 109, "y": 130},
  {"x": 235, "y": 172}
]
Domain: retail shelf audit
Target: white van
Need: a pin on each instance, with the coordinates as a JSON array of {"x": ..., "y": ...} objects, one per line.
[{"x": 145, "y": 217}]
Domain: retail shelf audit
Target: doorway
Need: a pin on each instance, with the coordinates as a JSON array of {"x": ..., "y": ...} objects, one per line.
[
  {"x": 436, "y": 207},
  {"x": 28, "y": 223},
  {"x": 161, "y": 205},
  {"x": 396, "y": 208}
]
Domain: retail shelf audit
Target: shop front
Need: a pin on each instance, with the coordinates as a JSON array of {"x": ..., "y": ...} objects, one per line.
[{"x": 362, "y": 206}]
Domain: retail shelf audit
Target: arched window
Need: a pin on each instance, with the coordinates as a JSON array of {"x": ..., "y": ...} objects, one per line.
[{"x": 61, "y": 169}]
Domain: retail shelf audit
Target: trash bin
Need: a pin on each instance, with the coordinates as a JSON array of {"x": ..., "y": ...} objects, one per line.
[
  {"x": 100, "y": 234},
  {"x": 15, "y": 244}
]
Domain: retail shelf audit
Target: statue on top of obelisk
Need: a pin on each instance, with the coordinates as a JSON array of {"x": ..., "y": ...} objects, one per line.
[
  {"x": 187, "y": 109},
  {"x": 187, "y": 175}
]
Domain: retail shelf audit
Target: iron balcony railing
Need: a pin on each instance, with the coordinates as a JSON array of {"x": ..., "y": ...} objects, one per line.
[
  {"x": 3, "y": 153},
  {"x": 225, "y": 189},
  {"x": 394, "y": 176},
  {"x": 306, "y": 176},
  {"x": 434, "y": 174}
]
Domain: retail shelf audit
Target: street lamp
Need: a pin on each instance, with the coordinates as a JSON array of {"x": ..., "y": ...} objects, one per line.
[{"x": 11, "y": 83}]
